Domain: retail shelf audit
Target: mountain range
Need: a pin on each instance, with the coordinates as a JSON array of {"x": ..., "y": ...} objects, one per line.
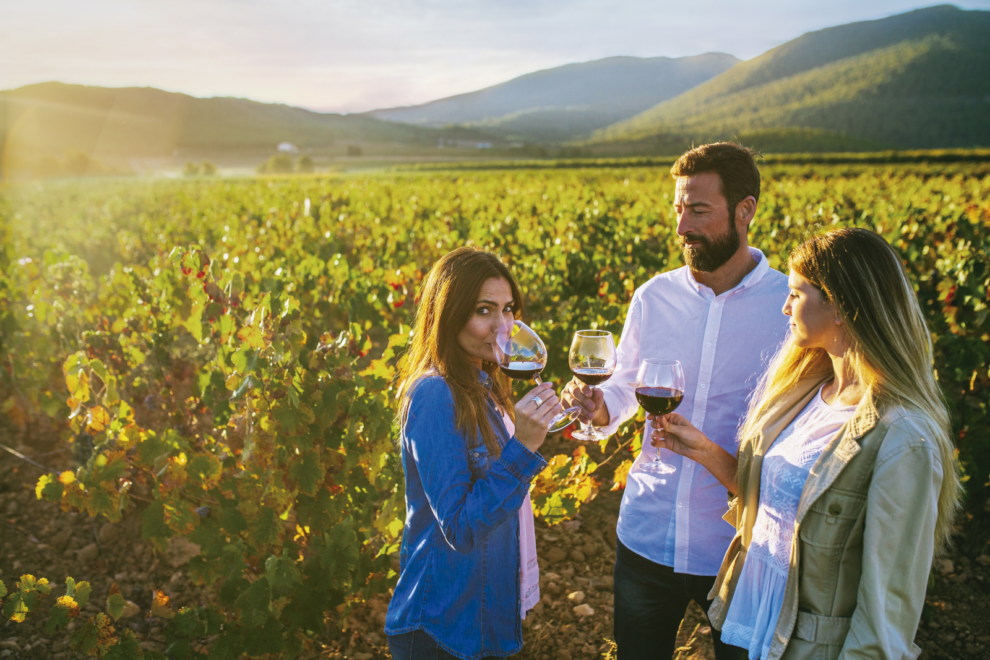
[
  {"x": 567, "y": 102},
  {"x": 51, "y": 118},
  {"x": 915, "y": 80}
]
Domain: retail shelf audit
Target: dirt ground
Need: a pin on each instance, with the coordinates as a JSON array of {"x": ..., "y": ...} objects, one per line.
[{"x": 574, "y": 619}]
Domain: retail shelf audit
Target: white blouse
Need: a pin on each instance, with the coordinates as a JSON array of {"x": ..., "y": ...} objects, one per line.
[
  {"x": 529, "y": 569},
  {"x": 756, "y": 602}
]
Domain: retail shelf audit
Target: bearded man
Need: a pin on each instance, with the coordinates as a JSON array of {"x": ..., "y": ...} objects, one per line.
[{"x": 721, "y": 317}]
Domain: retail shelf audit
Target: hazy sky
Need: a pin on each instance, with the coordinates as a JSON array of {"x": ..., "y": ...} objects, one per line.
[{"x": 356, "y": 55}]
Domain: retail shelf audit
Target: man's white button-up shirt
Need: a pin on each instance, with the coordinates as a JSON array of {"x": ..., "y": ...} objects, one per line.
[{"x": 724, "y": 344}]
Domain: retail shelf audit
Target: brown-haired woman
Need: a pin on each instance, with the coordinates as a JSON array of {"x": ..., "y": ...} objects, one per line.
[
  {"x": 845, "y": 480},
  {"x": 468, "y": 557}
]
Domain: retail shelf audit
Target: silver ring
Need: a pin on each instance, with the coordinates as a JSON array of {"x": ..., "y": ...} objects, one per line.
[{"x": 538, "y": 400}]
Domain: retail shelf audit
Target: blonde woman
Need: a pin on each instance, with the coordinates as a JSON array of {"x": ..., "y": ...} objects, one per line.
[{"x": 845, "y": 484}]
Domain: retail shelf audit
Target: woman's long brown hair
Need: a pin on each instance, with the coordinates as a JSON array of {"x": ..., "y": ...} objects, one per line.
[{"x": 447, "y": 300}]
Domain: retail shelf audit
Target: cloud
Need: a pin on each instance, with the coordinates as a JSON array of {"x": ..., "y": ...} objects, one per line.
[{"x": 355, "y": 55}]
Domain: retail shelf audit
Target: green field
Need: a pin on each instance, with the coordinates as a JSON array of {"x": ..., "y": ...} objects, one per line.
[{"x": 232, "y": 343}]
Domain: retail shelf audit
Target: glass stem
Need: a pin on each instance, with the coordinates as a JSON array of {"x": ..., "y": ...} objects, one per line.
[{"x": 536, "y": 379}]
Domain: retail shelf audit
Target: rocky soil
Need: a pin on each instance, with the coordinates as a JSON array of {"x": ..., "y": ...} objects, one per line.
[{"x": 573, "y": 620}]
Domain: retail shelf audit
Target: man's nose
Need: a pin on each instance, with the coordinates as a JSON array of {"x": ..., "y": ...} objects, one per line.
[{"x": 683, "y": 227}]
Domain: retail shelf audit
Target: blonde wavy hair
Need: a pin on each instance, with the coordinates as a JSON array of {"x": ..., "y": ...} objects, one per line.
[{"x": 890, "y": 350}]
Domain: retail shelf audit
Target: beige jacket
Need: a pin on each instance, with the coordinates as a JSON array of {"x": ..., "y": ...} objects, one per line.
[{"x": 863, "y": 537}]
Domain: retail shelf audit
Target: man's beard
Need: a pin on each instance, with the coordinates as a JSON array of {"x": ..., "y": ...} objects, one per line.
[{"x": 711, "y": 254}]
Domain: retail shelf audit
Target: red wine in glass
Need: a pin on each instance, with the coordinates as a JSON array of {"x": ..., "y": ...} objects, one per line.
[
  {"x": 522, "y": 355},
  {"x": 592, "y": 359},
  {"x": 592, "y": 376},
  {"x": 659, "y": 400},
  {"x": 659, "y": 389}
]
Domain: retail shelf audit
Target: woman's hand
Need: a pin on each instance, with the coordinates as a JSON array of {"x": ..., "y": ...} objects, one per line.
[
  {"x": 676, "y": 433},
  {"x": 532, "y": 420}
]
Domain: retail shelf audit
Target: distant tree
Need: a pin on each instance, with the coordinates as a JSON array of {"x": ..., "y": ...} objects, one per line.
[
  {"x": 277, "y": 164},
  {"x": 305, "y": 164},
  {"x": 190, "y": 169},
  {"x": 79, "y": 163},
  {"x": 354, "y": 150},
  {"x": 208, "y": 168}
]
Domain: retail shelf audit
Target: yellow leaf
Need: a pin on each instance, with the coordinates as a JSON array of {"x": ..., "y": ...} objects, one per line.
[
  {"x": 161, "y": 605},
  {"x": 98, "y": 419},
  {"x": 66, "y": 478},
  {"x": 251, "y": 336},
  {"x": 621, "y": 474},
  {"x": 380, "y": 369}
]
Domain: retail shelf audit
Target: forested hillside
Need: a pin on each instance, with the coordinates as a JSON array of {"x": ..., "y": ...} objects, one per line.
[{"x": 916, "y": 80}]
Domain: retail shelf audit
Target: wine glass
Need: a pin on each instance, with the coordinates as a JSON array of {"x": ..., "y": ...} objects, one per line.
[
  {"x": 659, "y": 389},
  {"x": 522, "y": 355},
  {"x": 592, "y": 360}
]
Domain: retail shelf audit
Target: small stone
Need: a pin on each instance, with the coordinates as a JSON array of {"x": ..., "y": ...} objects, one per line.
[
  {"x": 577, "y": 555},
  {"x": 362, "y": 656},
  {"x": 571, "y": 526},
  {"x": 589, "y": 550},
  {"x": 563, "y": 654},
  {"x": 584, "y": 610},
  {"x": 180, "y": 551},
  {"x": 606, "y": 582},
  {"x": 130, "y": 609},
  {"x": 577, "y": 597},
  {"x": 556, "y": 555},
  {"x": 60, "y": 540},
  {"x": 120, "y": 577},
  {"x": 984, "y": 559},
  {"x": 10, "y": 644},
  {"x": 12, "y": 508},
  {"x": 107, "y": 533},
  {"x": 88, "y": 553},
  {"x": 944, "y": 566},
  {"x": 69, "y": 554}
]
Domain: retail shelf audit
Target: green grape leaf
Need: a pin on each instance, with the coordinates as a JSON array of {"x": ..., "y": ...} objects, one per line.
[
  {"x": 115, "y": 602},
  {"x": 49, "y": 487},
  {"x": 308, "y": 472},
  {"x": 65, "y": 609},
  {"x": 266, "y": 529},
  {"x": 282, "y": 573},
  {"x": 262, "y": 640},
  {"x": 3, "y": 590},
  {"x": 228, "y": 646},
  {"x": 127, "y": 648},
  {"x": 254, "y": 603},
  {"x": 81, "y": 592},
  {"x": 231, "y": 521},
  {"x": 153, "y": 527}
]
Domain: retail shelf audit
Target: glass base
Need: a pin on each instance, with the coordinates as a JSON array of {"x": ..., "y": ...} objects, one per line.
[
  {"x": 656, "y": 466},
  {"x": 564, "y": 419},
  {"x": 589, "y": 433}
]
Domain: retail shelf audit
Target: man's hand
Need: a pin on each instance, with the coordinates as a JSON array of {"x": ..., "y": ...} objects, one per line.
[{"x": 590, "y": 399}]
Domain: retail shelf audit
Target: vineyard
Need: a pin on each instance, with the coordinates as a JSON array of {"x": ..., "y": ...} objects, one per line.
[{"x": 209, "y": 365}]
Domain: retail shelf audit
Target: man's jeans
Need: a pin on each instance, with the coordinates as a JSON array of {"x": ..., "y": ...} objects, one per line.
[
  {"x": 417, "y": 645},
  {"x": 650, "y": 601}
]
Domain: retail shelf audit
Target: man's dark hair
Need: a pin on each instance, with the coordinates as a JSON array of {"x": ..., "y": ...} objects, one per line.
[{"x": 732, "y": 162}]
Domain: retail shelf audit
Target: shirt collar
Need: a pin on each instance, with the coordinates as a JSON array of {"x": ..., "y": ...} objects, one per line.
[
  {"x": 752, "y": 277},
  {"x": 485, "y": 379}
]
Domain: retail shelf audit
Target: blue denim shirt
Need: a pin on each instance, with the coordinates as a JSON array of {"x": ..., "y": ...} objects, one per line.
[{"x": 459, "y": 576}]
